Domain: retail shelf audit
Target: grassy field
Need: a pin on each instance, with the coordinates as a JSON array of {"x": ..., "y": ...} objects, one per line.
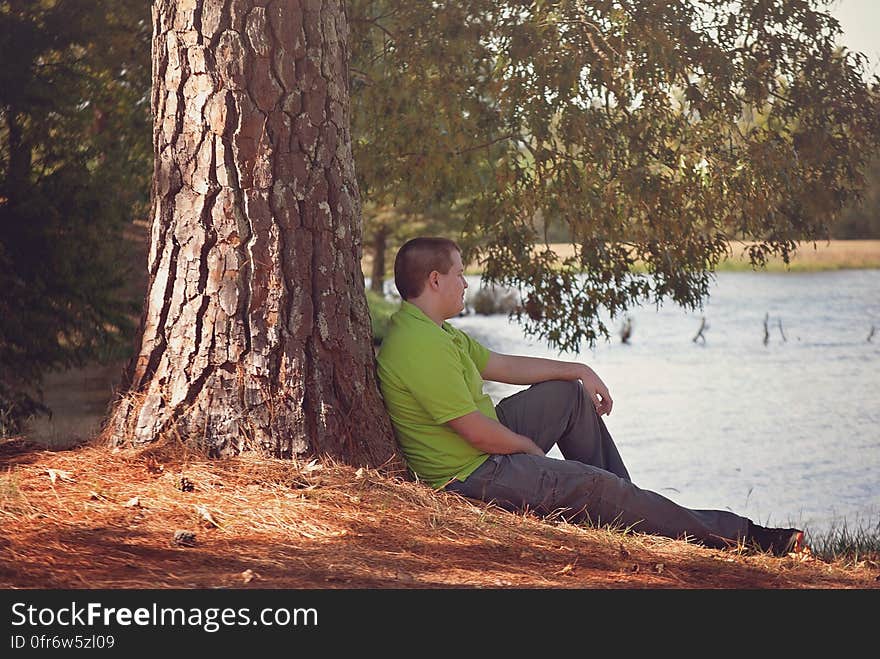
[
  {"x": 810, "y": 257},
  {"x": 833, "y": 255}
]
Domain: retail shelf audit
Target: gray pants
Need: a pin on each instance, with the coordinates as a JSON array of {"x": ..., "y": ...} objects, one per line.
[{"x": 592, "y": 484}]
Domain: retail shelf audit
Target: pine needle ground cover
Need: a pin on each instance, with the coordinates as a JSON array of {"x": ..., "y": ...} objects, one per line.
[{"x": 167, "y": 517}]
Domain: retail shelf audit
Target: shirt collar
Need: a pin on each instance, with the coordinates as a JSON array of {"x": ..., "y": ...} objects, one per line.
[{"x": 412, "y": 310}]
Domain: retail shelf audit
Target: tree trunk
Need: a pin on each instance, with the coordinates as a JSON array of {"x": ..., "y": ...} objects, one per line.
[
  {"x": 377, "y": 278},
  {"x": 256, "y": 332}
]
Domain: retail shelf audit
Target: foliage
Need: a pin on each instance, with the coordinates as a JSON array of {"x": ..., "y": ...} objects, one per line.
[
  {"x": 75, "y": 163},
  {"x": 381, "y": 311},
  {"x": 643, "y": 131}
]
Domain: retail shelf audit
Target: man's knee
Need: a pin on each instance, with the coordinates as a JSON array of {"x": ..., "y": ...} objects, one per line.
[{"x": 560, "y": 390}]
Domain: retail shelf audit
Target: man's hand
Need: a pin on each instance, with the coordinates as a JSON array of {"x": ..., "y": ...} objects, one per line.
[
  {"x": 596, "y": 390},
  {"x": 490, "y": 436}
]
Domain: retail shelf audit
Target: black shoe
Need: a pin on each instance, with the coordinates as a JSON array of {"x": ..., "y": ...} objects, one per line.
[{"x": 779, "y": 542}]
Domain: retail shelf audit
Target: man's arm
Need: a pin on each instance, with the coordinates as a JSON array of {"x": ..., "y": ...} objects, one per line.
[
  {"x": 515, "y": 369},
  {"x": 489, "y": 436}
]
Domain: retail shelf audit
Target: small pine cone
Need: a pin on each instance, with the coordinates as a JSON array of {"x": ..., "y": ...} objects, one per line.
[
  {"x": 185, "y": 484},
  {"x": 184, "y": 539}
]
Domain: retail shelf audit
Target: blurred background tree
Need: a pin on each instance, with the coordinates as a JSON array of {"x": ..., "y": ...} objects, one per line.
[
  {"x": 861, "y": 219},
  {"x": 424, "y": 119},
  {"x": 75, "y": 162}
]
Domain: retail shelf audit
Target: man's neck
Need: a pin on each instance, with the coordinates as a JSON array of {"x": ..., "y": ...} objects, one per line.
[{"x": 428, "y": 310}]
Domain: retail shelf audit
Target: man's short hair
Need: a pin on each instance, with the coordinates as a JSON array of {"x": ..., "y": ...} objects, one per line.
[{"x": 417, "y": 259}]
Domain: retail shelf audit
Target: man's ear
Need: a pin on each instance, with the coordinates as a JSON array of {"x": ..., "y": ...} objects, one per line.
[{"x": 434, "y": 278}]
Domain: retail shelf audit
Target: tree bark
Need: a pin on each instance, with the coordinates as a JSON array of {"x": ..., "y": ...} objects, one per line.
[{"x": 256, "y": 332}]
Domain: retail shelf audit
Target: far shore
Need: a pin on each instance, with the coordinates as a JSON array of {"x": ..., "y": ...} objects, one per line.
[
  {"x": 829, "y": 255},
  {"x": 809, "y": 257}
]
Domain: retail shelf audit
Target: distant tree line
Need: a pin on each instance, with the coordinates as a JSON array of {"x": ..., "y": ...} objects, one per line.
[{"x": 862, "y": 218}]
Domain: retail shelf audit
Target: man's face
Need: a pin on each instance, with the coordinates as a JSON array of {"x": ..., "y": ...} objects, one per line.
[{"x": 452, "y": 287}]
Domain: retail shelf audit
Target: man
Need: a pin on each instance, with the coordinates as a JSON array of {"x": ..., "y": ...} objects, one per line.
[{"x": 431, "y": 376}]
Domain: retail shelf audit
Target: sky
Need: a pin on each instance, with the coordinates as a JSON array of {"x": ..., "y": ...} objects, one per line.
[{"x": 860, "y": 21}]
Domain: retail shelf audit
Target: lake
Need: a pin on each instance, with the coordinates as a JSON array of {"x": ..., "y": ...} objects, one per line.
[{"x": 783, "y": 433}]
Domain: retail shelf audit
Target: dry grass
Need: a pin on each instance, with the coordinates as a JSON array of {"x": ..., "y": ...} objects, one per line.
[
  {"x": 810, "y": 257},
  {"x": 830, "y": 255},
  {"x": 89, "y": 517}
]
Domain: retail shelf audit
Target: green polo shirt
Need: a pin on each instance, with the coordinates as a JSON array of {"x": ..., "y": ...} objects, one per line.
[{"x": 429, "y": 375}]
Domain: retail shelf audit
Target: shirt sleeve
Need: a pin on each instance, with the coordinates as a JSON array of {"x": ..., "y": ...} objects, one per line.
[{"x": 438, "y": 384}]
